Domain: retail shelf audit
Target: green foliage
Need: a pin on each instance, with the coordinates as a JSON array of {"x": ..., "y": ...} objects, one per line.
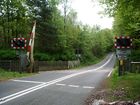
[
  {"x": 14, "y": 21},
  {"x": 42, "y": 56},
  {"x": 58, "y": 37},
  {"x": 126, "y": 20},
  {"x": 129, "y": 83},
  {"x": 7, "y": 54},
  {"x": 135, "y": 55},
  {"x": 4, "y": 75},
  {"x": 64, "y": 56}
]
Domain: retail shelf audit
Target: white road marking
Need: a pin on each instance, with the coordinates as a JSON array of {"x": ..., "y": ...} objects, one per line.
[
  {"x": 61, "y": 84},
  {"x": 15, "y": 95},
  {"x": 29, "y": 90},
  {"x": 88, "y": 87},
  {"x": 109, "y": 74},
  {"x": 27, "y": 81},
  {"x": 76, "y": 86}
]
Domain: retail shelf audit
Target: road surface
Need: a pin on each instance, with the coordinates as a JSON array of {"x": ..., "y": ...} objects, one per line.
[{"x": 67, "y": 87}]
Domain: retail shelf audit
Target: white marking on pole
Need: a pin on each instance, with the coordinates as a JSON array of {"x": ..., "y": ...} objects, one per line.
[
  {"x": 76, "y": 86},
  {"x": 27, "y": 81},
  {"x": 109, "y": 74},
  {"x": 88, "y": 87},
  {"x": 61, "y": 84},
  {"x": 32, "y": 89}
]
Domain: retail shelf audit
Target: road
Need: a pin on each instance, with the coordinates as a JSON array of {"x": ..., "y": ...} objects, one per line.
[{"x": 67, "y": 87}]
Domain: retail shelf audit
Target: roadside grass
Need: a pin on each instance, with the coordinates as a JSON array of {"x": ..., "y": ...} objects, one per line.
[
  {"x": 5, "y": 75},
  {"x": 128, "y": 86}
]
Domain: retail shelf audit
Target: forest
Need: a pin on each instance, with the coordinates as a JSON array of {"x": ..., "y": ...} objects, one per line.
[
  {"x": 59, "y": 35},
  {"x": 126, "y": 15}
]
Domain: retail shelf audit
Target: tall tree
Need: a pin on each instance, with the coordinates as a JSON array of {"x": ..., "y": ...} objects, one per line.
[{"x": 13, "y": 19}]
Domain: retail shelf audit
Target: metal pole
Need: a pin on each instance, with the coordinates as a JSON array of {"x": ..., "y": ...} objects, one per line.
[{"x": 120, "y": 67}]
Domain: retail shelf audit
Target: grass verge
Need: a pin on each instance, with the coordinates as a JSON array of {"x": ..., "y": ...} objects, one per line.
[
  {"x": 126, "y": 87},
  {"x": 5, "y": 75}
]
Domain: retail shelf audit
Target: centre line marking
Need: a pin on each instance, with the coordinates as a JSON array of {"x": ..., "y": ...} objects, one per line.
[
  {"x": 61, "y": 84},
  {"x": 88, "y": 87},
  {"x": 32, "y": 89},
  {"x": 76, "y": 86}
]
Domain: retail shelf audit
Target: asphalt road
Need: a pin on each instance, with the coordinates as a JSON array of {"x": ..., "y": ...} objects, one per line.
[{"x": 67, "y": 87}]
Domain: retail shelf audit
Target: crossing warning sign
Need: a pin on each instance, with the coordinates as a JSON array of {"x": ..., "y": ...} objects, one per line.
[
  {"x": 18, "y": 43},
  {"x": 123, "y": 42}
]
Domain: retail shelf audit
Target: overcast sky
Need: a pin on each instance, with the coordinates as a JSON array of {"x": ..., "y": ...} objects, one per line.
[{"x": 88, "y": 13}]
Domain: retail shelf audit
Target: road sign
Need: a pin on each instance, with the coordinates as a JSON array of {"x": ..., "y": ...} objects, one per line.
[
  {"x": 123, "y": 53},
  {"x": 18, "y": 43}
]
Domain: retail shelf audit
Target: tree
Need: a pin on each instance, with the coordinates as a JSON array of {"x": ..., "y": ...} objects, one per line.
[
  {"x": 13, "y": 20},
  {"x": 127, "y": 19}
]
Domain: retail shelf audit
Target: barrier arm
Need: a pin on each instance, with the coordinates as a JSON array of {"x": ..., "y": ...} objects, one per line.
[{"x": 30, "y": 49}]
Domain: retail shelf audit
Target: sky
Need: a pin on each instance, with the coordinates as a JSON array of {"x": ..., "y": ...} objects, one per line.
[{"x": 88, "y": 13}]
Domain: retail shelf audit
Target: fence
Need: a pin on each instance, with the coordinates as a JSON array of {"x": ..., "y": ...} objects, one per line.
[
  {"x": 14, "y": 65},
  {"x": 10, "y": 65},
  {"x": 57, "y": 65},
  {"x": 135, "y": 67}
]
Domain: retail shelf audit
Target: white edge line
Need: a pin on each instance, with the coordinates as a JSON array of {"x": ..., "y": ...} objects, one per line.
[
  {"x": 26, "y": 91},
  {"x": 109, "y": 74}
]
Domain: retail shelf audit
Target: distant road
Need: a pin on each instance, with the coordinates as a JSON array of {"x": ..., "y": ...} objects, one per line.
[{"x": 67, "y": 87}]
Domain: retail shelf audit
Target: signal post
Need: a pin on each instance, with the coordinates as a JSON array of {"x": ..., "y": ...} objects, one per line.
[
  {"x": 25, "y": 58},
  {"x": 123, "y": 45}
]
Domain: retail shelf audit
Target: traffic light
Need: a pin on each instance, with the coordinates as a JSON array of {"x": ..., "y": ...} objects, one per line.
[{"x": 18, "y": 43}]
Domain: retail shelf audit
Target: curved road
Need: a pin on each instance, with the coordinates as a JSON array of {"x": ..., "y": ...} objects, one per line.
[{"x": 68, "y": 87}]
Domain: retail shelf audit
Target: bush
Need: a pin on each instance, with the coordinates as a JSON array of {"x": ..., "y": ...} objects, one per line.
[
  {"x": 7, "y": 54},
  {"x": 42, "y": 56},
  {"x": 67, "y": 55},
  {"x": 63, "y": 55},
  {"x": 135, "y": 56}
]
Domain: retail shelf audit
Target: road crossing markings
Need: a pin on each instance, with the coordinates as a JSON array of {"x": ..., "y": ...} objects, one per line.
[
  {"x": 35, "y": 88},
  {"x": 27, "y": 81},
  {"x": 88, "y": 87},
  {"x": 76, "y": 86},
  {"x": 61, "y": 84},
  {"x": 58, "y": 84}
]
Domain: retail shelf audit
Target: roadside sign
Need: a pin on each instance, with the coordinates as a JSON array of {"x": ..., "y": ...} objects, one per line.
[{"x": 123, "y": 53}]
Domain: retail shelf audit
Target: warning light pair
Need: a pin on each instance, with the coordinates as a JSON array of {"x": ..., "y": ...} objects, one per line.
[
  {"x": 18, "y": 43},
  {"x": 122, "y": 42}
]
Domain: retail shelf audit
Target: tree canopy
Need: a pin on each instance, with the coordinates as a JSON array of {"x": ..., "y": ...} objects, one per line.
[
  {"x": 126, "y": 15},
  {"x": 58, "y": 36}
]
